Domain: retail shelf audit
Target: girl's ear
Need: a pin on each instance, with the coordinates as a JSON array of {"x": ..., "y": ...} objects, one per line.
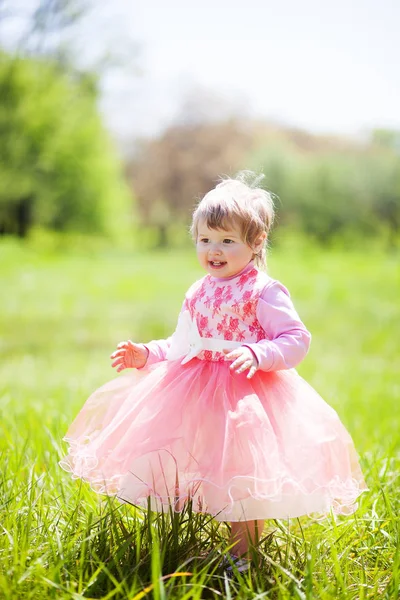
[{"x": 258, "y": 244}]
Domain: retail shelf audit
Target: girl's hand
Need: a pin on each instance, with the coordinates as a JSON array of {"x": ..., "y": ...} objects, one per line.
[
  {"x": 129, "y": 355},
  {"x": 243, "y": 359}
]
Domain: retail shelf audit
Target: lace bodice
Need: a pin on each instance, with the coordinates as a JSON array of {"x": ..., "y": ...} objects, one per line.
[{"x": 227, "y": 309}]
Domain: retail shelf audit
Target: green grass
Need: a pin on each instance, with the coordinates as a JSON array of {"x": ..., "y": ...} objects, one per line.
[{"x": 61, "y": 315}]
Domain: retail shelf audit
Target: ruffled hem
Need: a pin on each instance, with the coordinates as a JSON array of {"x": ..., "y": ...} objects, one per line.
[{"x": 287, "y": 499}]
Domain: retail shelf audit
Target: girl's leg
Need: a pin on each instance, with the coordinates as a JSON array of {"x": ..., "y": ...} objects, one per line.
[{"x": 245, "y": 534}]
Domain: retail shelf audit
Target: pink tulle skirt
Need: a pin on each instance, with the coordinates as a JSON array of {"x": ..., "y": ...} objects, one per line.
[{"x": 239, "y": 449}]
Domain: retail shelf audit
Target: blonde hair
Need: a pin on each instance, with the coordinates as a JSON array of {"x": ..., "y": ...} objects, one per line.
[{"x": 238, "y": 202}]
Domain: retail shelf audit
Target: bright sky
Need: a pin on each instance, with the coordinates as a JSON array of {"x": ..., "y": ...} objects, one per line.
[
  {"x": 318, "y": 64},
  {"x": 324, "y": 65}
]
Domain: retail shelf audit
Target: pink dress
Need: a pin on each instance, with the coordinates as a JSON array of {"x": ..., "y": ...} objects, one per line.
[{"x": 185, "y": 427}]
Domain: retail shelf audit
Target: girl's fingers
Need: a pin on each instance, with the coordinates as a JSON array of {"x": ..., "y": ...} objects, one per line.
[
  {"x": 125, "y": 344},
  {"x": 242, "y": 363},
  {"x": 119, "y": 361},
  {"x": 252, "y": 372},
  {"x": 118, "y": 353},
  {"x": 246, "y": 365},
  {"x": 239, "y": 361},
  {"x": 231, "y": 355}
]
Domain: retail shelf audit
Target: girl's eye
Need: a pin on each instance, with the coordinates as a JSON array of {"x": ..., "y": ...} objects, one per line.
[
  {"x": 204, "y": 240},
  {"x": 227, "y": 241}
]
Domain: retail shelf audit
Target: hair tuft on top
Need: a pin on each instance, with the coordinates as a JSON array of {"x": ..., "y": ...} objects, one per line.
[{"x": 249, "y": 178}]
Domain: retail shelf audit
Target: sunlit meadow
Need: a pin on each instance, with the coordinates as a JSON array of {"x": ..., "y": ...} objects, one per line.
[{"x": 61, "y": 315}]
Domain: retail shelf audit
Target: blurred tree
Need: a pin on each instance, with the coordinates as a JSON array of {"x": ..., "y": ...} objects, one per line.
[
  {"x": 57, "y": 166},
  {"x": 332, "y": 187},
  {"x": 328, "y": 187},
  {"x": 185, "y": 160},
  {"x": 386, "y": 138}
]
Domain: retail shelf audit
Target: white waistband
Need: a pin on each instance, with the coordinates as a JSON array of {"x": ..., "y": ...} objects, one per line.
[{"x": 187, "y": 343}]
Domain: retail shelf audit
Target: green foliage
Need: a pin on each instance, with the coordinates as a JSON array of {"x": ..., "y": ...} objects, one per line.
[
  {"x": 387, "y": 138},
  {"x": 59, "y": 325},
  {"x": 336, "y": 193},
  {"x": 57, "y": 166}
]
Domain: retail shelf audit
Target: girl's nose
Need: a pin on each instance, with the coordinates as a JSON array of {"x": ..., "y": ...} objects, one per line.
[{"x": 215, "y": 249}]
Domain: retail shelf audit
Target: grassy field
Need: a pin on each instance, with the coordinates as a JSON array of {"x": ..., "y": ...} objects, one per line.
[{"x": 61, "y": 314}]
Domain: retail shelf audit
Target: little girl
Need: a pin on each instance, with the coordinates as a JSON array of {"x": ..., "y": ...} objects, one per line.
[{"x": 216, "y": 414}]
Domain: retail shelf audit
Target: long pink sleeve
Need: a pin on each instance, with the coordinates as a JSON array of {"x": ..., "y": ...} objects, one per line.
[
  {"x": 157, "y": 350},
  {"x": 288, "y": 339}
]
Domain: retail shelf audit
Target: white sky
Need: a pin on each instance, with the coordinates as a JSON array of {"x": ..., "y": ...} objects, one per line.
[
  {"x": 331, "y": 66},
  {"x": 324, "y": 65}
]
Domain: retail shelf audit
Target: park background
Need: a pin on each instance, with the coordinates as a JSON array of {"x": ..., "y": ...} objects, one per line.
[{"x": 113, "y": 122}]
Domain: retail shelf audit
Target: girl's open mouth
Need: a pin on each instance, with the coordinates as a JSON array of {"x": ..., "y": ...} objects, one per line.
[{"x": 216, "y": 264}]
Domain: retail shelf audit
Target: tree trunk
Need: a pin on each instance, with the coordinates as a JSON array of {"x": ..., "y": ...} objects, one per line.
[
  {"x": 162, "y": 236},
  {"x": 23, "y": 216}
]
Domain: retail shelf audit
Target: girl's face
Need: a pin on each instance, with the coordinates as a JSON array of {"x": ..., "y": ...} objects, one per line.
[{"x": 222, "y": 252}]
